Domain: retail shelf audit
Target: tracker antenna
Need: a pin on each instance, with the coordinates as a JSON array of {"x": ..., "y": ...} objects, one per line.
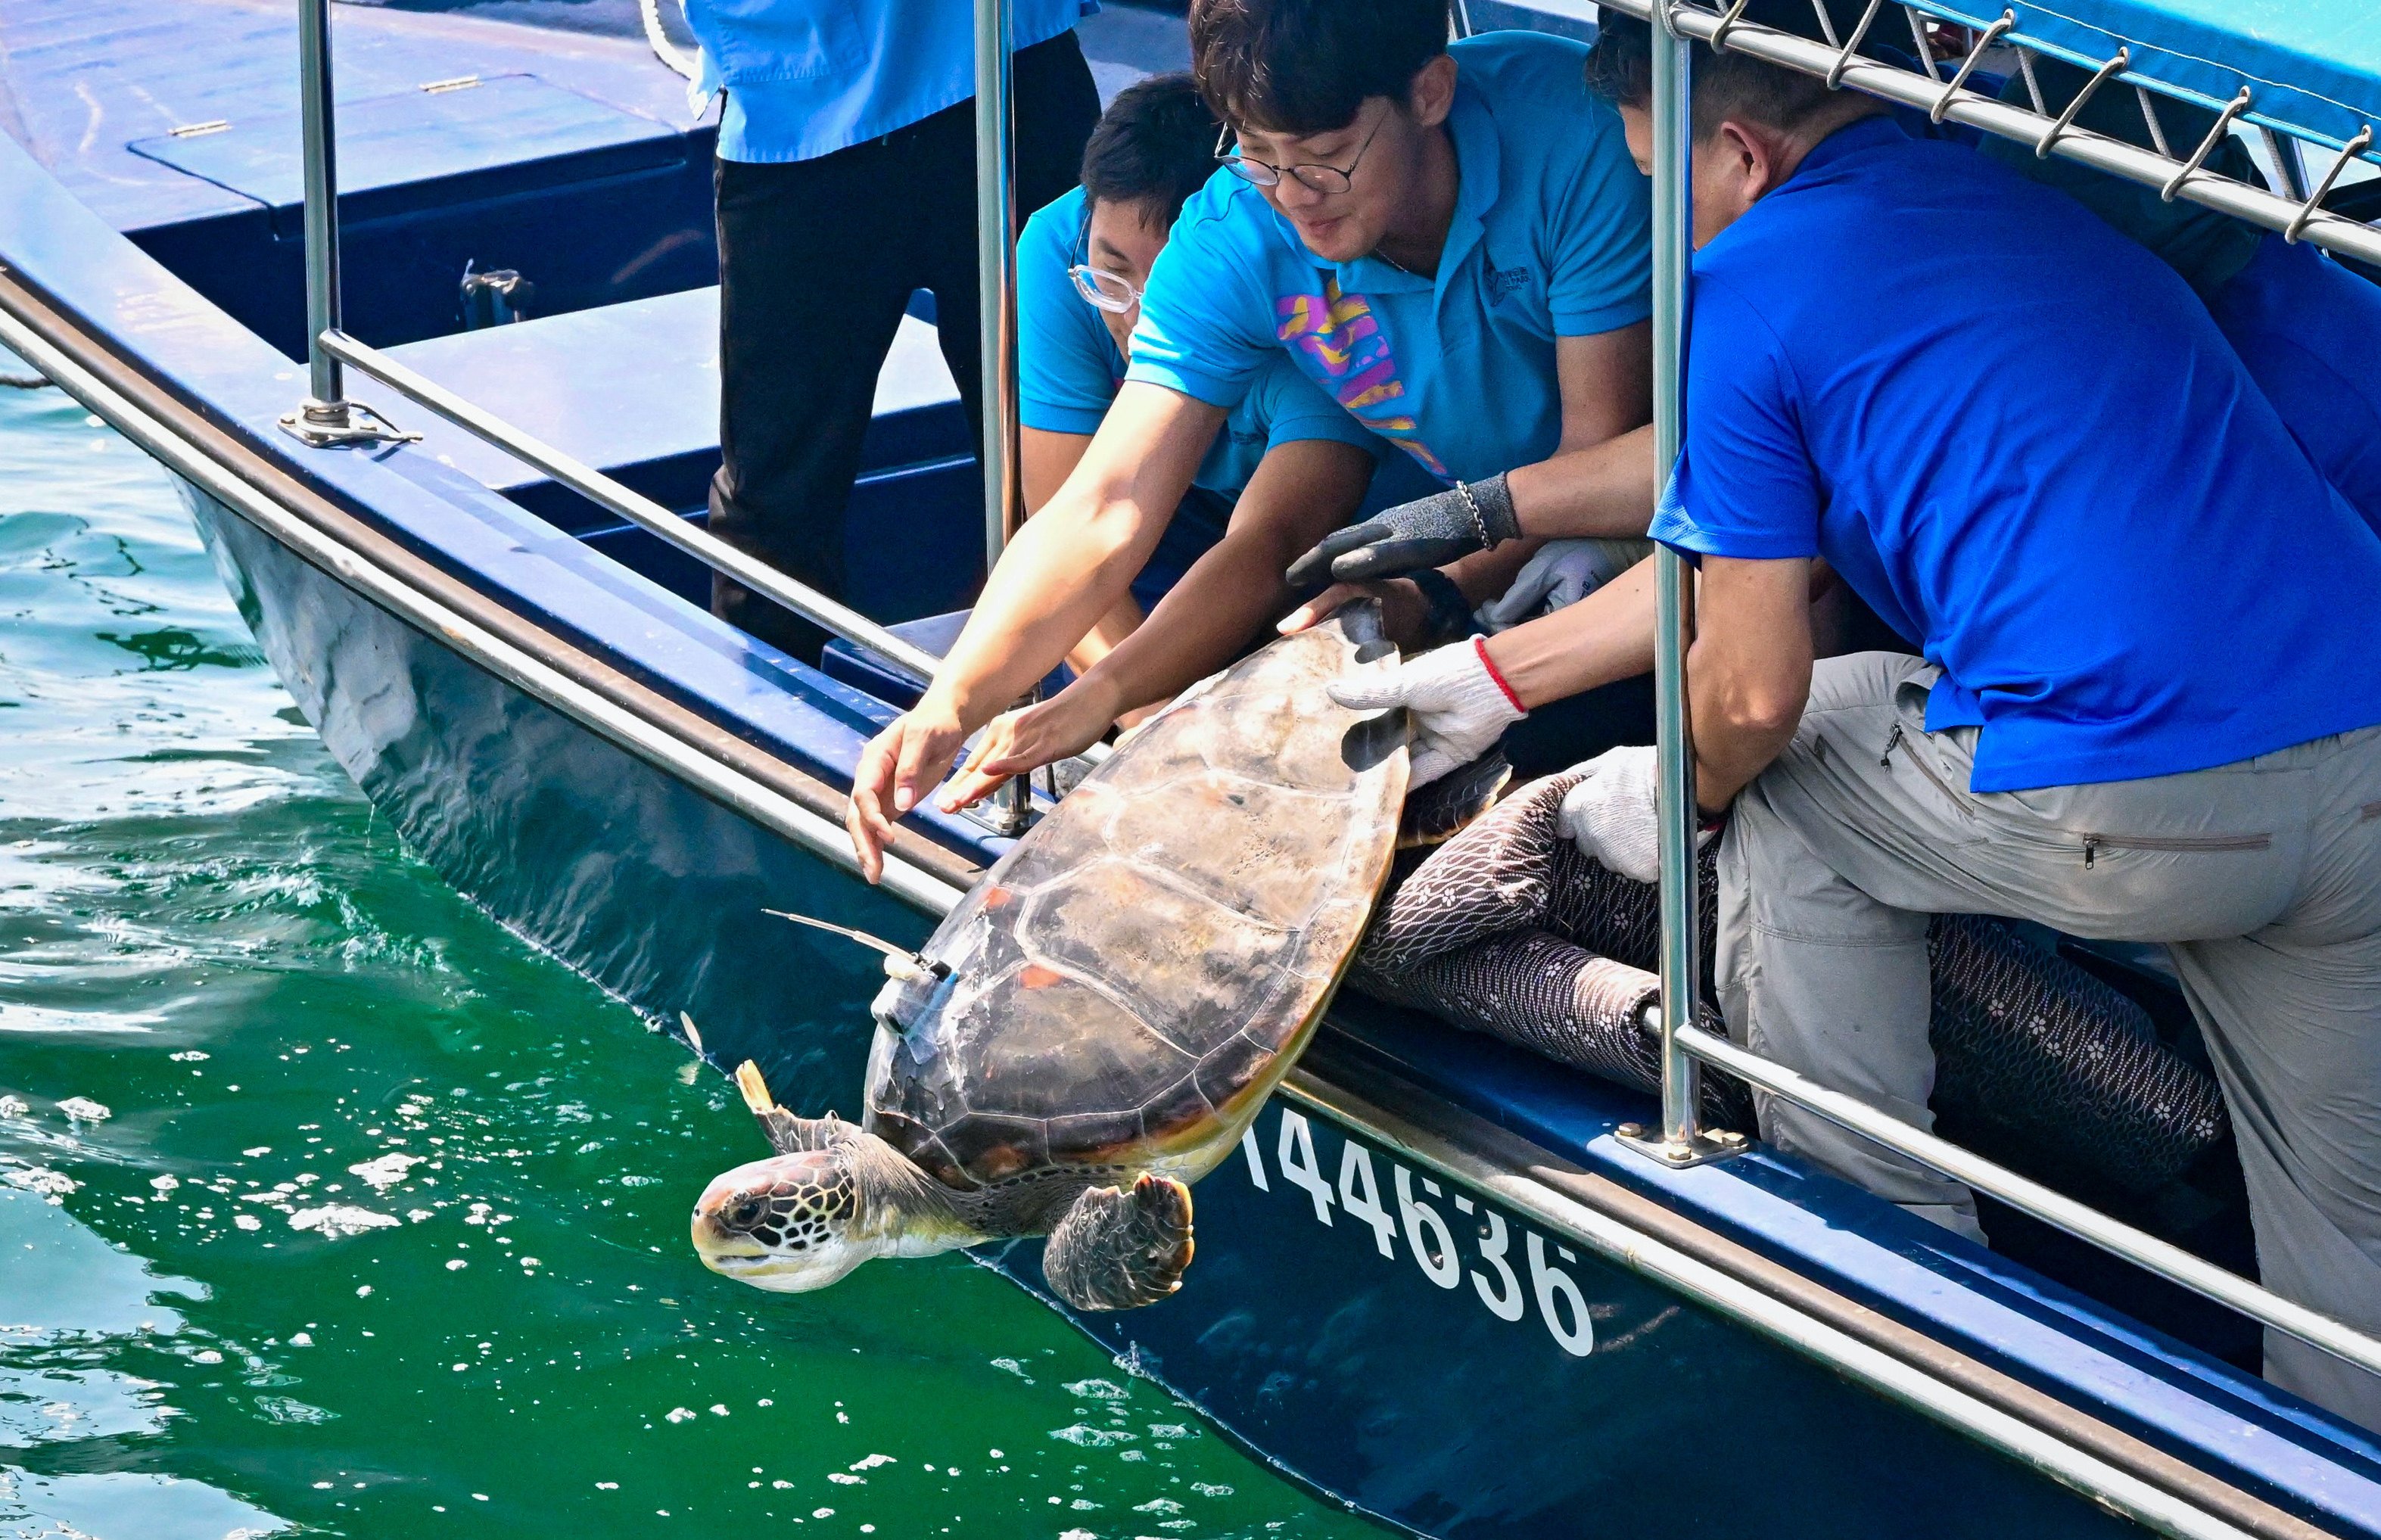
[{"x": 899, "y": 961}]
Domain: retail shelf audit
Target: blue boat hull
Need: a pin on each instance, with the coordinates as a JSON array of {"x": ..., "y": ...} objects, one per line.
[{"x": 1509, "y": 1386}]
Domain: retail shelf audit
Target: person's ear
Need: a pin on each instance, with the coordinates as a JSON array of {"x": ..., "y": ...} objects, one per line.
[
  {"x": 1431, "y": 94},
  {"x": 1747, "y": 157}
]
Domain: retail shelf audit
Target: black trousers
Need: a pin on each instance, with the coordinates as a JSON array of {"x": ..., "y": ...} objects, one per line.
[{"x": 817, "y": 259}]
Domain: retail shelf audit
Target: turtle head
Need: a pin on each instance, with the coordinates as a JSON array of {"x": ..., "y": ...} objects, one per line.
[
  {"x": 832, "y": 1196},
  {"x": 787, "y": 1223}
]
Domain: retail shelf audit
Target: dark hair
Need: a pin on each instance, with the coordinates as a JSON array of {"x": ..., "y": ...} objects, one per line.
[
  {"x": 1155, "y": 145},
  {"x": 1728, "y": 84},
  {"x": 1306, "y": 67}
]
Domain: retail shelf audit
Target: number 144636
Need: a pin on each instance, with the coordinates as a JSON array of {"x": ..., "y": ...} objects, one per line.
[{"x": 1432, "y": 1238}]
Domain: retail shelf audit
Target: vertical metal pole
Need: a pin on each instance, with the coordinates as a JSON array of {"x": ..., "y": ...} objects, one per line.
[
  {"x": 1682, "y": 1140},
  {"x": 996, "y": 245},
  {"x": 322, "y": 199},
  {"x": 326, "y": 417},
  {"x": 995, "y": 224}
]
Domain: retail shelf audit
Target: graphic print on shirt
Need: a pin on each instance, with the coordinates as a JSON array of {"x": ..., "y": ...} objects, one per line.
[{"x": 1339, "y": 342}]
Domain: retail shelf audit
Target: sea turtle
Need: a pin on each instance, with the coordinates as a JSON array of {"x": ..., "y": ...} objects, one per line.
[{"x": 1095, "y": 1025}]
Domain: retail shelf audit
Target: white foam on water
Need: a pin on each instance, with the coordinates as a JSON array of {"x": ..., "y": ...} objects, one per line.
[{"x": 335, "y": 1221}]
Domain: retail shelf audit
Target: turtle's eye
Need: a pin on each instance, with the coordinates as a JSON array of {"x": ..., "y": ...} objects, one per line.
[{"x": 747, "y": 1211}]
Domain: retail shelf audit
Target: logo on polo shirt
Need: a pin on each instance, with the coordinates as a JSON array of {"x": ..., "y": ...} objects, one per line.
[
  {"x": 1506, "y": 280},
  {"x": 1339, "y": 344}
]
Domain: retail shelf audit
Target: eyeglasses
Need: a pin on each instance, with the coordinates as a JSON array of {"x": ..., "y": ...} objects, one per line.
[
  {"x": 1313, "y": 176},
  {"x": 1109, "y": 291}
]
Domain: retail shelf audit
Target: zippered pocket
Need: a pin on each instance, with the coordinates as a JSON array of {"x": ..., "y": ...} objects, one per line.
[
  {"x": 2186, "y": 844},
  {"x": 1917, "y": 757}
]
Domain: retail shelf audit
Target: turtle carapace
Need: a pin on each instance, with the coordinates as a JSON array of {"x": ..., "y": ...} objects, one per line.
[{"x": 1113, "y": 1001}]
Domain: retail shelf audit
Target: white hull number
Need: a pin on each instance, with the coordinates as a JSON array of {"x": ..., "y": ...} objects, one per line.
[{"x": 1430, "y": 1238}]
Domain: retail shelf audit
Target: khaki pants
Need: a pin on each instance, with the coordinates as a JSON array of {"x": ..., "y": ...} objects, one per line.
[{"x": 2262, "y": 877}]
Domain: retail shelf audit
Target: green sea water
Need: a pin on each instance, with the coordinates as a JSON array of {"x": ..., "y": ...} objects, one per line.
[{"x": 326, "y": 1207}]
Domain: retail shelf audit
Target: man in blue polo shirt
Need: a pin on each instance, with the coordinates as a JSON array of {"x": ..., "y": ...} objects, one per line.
[
  {"x": 846, "y": 182},
  {"x": 2308, "y": 329},
  {"x": 1287, "y": 464},
  {"x": 1452, "y": 242},
  {"x": 2148, "y": 704}
]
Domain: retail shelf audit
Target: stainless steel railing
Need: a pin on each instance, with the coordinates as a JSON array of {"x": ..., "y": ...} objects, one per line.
[
  {"x": 327, "y": 418},
  {"x": 2085, "y": 1223},
  {"x": 1679, "y": 1141},
  {"x": 2178, "y": 173},
  {"x": 647, "y": 514}
]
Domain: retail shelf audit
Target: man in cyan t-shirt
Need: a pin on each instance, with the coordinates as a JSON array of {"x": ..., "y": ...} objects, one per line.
[
  {"x": 2148, "y": 702},
  {"x": 1450, "y": 242},
  {"x": 1287, "y": 466}
]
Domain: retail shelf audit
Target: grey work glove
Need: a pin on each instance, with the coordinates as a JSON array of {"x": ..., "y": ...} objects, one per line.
[
  {"x": 1561, "y": 574},
  {"x": 1429, "y": 532}
]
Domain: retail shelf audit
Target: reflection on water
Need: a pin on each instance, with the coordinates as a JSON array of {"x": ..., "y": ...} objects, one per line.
[{"x": 326, "y": 1207}]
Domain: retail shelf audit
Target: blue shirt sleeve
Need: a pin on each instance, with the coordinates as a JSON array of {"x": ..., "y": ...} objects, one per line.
[
  {"x": 1067, "y": 363},
  {"x": 1745, "y": 486},
  {"x": 1206, "y": 318},
  {"x": 1294, "y": 409},
  {"x": 1601, "y": 278}
]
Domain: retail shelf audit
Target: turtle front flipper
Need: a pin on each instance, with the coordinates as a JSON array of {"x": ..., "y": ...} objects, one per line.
[
  {"x": 787, "y": 1134},
  {"x": 1115, "y": 1251}
]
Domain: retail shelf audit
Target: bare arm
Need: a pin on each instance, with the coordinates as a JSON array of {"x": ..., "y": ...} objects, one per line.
[
  {"x": 1069, "y": 563},
  {"x": 1606, "y": 490},
  {"x": 1604, "y": 637},
  {"x": 1068, "y": 566},
  {"x": 1299, "y": 492},
  {"x": 1044, "y": 460},
  {"x": 1749, "y": 671}
]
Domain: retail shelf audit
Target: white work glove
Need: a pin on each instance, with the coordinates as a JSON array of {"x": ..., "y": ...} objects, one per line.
[
  {"x": 1563, "y": 572},
  {"x": 1614, "y": 815},
  {"x": 1457, "y": 705}
]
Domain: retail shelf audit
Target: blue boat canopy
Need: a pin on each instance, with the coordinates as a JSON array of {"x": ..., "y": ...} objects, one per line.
[{"x": 2312, "y": 67}]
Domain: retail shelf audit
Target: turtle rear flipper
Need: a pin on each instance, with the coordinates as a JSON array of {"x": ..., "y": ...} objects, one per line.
[
  {"x": 1115, "y": 1251},
  {"x": 1438, "y": 812}
]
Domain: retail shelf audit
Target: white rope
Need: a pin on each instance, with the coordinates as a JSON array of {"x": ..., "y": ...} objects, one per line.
[{"x": 664, "y": 49}]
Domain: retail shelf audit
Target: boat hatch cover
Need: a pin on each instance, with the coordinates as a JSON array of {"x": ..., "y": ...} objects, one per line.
[
  {"x": 627, "y": 385},
  {"x": 505, "y": 127}
]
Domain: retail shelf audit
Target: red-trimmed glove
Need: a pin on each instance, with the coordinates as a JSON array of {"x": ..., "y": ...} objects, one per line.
[{"x": 1459, "y": 704}]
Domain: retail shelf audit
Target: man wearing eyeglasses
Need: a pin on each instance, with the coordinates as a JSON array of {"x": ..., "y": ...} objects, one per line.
[
  {"x": 1451, "y": 241},
  {"x": 1287, "y": 466}
]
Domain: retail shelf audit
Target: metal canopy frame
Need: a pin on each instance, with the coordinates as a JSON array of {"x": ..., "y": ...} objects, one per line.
[
  {"x": 1683, "y": 1046},
  {"x": 2296, "y": 214}
]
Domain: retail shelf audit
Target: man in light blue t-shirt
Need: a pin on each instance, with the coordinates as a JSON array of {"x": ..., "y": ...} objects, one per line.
[
  {"x": 1287, "y": 467},
  {"x": 1452, "y": 242}
]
